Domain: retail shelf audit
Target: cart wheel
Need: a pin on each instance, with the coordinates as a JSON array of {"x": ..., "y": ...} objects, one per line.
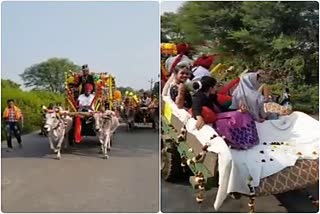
[{"x": 171, "y": 169}]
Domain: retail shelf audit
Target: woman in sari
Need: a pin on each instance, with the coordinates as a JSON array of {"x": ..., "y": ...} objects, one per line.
[
  {"x": 178, "y": 90},
  {"x": 247, "y": 93}
]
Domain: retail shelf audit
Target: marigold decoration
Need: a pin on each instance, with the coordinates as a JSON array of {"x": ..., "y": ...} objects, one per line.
[
  {"x": 169, "y": 48},
  {"x": 117, "y": 95}
]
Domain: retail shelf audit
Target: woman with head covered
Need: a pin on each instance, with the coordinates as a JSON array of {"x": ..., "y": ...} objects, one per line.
[{"x": 248, "y": 93}]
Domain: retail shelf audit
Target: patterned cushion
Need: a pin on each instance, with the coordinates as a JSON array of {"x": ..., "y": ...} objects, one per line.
[{"x": 304, "y": 173}]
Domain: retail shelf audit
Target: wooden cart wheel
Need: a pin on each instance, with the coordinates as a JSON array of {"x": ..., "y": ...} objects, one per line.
[{"x": 171, "y": 169}]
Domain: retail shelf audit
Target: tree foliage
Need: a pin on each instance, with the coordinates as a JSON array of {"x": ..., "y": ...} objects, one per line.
[
  {"x": 9, "y": 84},
  {"x": 48, "y": 75},
  {"x": 281, "y": 37}
]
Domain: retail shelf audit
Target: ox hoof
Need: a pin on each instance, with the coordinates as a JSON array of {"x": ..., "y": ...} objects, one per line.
[
  {"x": 105, "y": 157},
  {"x": 58, "y": 158}
]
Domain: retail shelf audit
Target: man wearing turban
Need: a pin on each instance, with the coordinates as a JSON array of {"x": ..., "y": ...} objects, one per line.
[
  {"x": 201, "y": 67},
  {"x": 85, "y": 100}
]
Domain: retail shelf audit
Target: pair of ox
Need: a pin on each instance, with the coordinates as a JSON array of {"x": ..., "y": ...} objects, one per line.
[{"x": 59, "y": 123}]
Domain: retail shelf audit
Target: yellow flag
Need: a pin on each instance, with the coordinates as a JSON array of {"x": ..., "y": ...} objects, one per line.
[
  {"x": 167, "y": 112},
  {"x": 218, "y": 68}
]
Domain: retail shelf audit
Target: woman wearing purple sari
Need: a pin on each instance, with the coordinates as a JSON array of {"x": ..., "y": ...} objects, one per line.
[{"x": 237, "y": 126}]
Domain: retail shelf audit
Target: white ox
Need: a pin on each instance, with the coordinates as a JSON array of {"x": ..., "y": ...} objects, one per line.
[
  {"x": 106, "y": 124},
  {"x": 57, "y": 128}
]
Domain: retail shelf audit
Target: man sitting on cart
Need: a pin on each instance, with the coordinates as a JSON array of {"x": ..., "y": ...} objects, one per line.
[
  {"x": 84, "y": 105},
  {"x": 85, "y": 100}
]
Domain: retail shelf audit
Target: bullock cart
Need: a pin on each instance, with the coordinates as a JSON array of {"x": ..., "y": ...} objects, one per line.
[
  {"x": 286, "y": 159},
  {"x": 83, "y": 122},
  {"x": 137, "y": 116},
  {"x": 144, "y": 118}
]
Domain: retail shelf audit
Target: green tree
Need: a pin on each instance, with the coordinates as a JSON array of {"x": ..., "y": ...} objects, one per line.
[
  {"x": 278, "y": 36},
  {"x": 170, "y": 29},
  {"x": 9, "y": 84},
  {"x": 48, "y": 75}
]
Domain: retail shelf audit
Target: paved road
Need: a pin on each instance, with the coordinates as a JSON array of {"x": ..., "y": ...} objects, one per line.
[
  {"x": 32, "y": 181},
  {"x": 180, "y": 197}
]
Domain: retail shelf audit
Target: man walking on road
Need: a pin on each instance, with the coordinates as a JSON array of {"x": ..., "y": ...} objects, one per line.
[{"x": 12, "y": 115}]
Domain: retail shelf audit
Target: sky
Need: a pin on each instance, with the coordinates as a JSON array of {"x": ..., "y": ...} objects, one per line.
[
  {"x": 121, "y": 38},
  {"x": 170, "y": 6}
]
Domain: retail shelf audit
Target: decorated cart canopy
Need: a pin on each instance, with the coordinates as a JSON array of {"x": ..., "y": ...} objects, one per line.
[{"x": 105, "y": 90}]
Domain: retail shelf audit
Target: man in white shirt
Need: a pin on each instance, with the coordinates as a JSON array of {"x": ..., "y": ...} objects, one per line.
[
  {"x": 85, "y": 100},
  {"x": 202, "y": 66}
]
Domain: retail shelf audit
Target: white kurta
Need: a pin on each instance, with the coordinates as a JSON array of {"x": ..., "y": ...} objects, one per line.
[{"x": 85, "y": 100}]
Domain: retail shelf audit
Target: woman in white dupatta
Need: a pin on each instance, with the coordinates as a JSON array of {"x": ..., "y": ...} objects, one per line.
[{"x": 247, "y": 93}]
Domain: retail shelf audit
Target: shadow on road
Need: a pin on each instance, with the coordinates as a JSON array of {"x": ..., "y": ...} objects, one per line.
[
  {"x": 35, "y": 146},
  {"x": 180, "y": 197}
]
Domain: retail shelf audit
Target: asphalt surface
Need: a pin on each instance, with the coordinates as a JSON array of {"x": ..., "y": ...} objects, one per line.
[
  {"x": 33, "y": 181},
  {"x": 180, "y": 197}
]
